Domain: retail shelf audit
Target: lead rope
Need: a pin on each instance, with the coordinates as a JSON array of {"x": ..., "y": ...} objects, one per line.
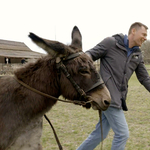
[
  {"x": 56, "y": 137},
  {"x": 49, "y": 96},
  {"x": 100, "y": 116}
]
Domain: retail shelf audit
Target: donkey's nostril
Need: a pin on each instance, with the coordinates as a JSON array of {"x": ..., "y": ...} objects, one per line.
[{"x": 106, "y": 102}]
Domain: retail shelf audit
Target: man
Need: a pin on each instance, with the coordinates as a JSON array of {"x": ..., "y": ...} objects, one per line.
[{"x": 120, "y": 56}]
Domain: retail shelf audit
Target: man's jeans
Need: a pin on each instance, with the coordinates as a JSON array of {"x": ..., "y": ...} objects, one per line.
[{"x": 111, "y": 118}]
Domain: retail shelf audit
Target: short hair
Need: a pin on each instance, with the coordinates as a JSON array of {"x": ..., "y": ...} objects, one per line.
[{"x": 137, "y": 25}]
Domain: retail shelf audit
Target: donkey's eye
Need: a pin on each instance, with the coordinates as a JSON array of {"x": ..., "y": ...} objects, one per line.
[{"x": 84, "y": 71}]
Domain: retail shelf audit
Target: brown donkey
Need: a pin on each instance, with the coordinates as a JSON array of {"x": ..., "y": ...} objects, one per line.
[{"x": 66, "y": 71}]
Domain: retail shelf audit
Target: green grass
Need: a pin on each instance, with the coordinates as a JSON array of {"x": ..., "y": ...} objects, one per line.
[{"x": 73, "y": 123}]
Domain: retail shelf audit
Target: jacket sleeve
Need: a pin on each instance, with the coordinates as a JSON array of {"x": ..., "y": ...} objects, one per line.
[
  {"x": 100, "y": 49},
  {"x": 143, "y": 75}
]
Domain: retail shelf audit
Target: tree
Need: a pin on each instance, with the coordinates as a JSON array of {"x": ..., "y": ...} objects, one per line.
[{"x": 146, "y": 51}]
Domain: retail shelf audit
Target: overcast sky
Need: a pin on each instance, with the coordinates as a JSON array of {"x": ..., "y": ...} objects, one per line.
[{"x": 54, "y": 19}]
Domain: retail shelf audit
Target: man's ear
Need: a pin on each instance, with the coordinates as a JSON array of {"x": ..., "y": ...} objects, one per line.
[{"x": 133, "y": 31}]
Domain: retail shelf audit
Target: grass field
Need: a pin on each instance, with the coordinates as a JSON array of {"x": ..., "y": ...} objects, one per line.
[{"x": 74, "y": 123}]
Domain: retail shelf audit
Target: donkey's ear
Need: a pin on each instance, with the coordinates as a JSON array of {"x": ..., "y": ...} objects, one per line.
[
  {"x": 53, "y": 48},
  {"x": 76, "y": 38}
]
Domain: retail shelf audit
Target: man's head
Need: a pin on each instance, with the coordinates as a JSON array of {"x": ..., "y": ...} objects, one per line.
[{"x": 137, "y": 34}]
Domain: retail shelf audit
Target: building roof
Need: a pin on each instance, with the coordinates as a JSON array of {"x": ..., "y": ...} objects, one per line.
[{"x": 14, "y": 49}]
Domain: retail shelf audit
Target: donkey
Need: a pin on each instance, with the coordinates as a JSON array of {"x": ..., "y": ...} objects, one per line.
[{"x": 66, "y": 71}]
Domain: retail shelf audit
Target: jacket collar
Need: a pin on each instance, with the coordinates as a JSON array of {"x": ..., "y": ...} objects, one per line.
[{"x": 120, "y": 42}]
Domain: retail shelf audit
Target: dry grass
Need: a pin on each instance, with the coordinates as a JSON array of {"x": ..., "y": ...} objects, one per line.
[{"x": 74, "y": 123}]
